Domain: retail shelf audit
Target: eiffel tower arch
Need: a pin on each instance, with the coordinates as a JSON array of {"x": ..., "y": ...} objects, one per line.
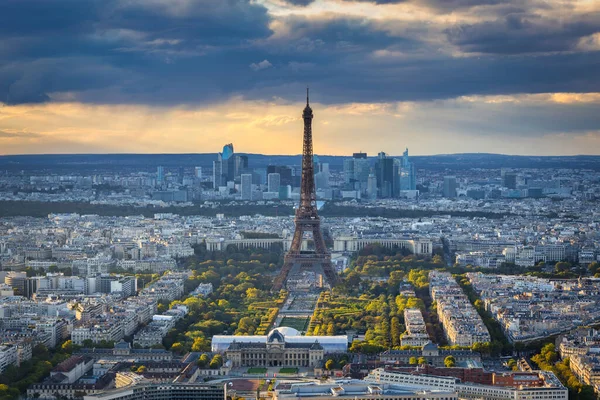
[{"x": 307, "y": 220}]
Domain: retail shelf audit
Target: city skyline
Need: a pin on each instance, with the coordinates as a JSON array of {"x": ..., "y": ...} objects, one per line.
[{"x": 178, "y": 77}]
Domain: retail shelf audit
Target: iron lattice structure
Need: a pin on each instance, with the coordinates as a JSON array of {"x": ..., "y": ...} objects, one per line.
[{"x": 307, "y": 219}]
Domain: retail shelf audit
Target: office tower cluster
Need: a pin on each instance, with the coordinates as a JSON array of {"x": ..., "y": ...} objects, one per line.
[
  {"x": 387, "y": 177},
  {"x": 228, "y": 167}
]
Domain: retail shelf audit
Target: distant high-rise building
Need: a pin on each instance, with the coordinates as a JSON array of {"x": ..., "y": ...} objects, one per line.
[
  {"x": 240, "y": 165},
  {"x": 349, "y": 171},
  {"x": 321, "y": 180},
  {"x": 227, "y": 151},
  {"x": 246, "y": 186},
  {"x": 180, "y": 174},
  {"x": 284, "y": 172},
  {"x": 356, "y": 171},
  {"x": 274, "y": 182},
  {"x": 372, "y": 186},
  {"x": 362, "y": 169},
  {"x": 408, "y": 176},
  {"x": 160, "y": 175},
  {"x": 232, "y": 165},
  {"x": 259, "y": 176},
  {"x": 509, "y": 180},
  {"x": 384, "y": 172},
  {"x": 198, "y": 172},
  {"x": 218, "y": 174},
  {"x": 450, "y": 186},
  {"x": 325, "y": 169}
]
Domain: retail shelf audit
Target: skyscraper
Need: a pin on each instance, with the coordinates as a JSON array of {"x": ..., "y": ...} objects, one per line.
[
  {"x": 198, "y": 172},
  {"x": 246, "y": 186},
  {"x": 217, "y": 173},
  {"x": 227, "y": 151},
  {"x": 240, "y": 165},
  {"x": 450, "y": 186},
  {"x": 384, "y": 172},
  {"x": 372, "y": 186},
  {"x": 408, "y": 176},
  {"x": 273, "y": 182},
  {"x": 356, "y": 171},
  {"x": 180, "y": 175},
  {"x": 362, "y": 169},
  {"x": 509, "y": 179},
  {"x": 284, "y": 172},
  {"x": 160, "y": 175},
  {"x": 349, "y": 171}
]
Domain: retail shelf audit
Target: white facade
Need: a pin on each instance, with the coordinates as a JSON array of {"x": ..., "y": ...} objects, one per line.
[{"x": 8, "y": 356}]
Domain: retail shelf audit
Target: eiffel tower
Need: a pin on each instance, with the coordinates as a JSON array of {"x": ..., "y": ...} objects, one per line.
[{"x": 307, "y": 220}]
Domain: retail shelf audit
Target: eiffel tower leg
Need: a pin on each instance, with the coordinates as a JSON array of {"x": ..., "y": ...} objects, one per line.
[
  {"x": 318, "y": 239},
  {"x": 297, "y": 241},
  {"x": 285, "y": 270},
  {"x": 288, "y": 261}
]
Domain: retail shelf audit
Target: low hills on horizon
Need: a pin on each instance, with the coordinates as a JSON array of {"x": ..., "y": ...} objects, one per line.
[{"x": 113, "y": 162}]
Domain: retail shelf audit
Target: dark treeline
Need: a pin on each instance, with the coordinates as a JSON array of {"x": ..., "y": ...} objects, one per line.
[{"x": 41, "y": 209}]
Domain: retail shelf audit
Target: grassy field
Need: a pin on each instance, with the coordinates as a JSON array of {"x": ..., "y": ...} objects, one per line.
[
  {"x": 288, "y": 371},
  {"x": 300, "y": 324},
  {"x": 257, "y": 370}
]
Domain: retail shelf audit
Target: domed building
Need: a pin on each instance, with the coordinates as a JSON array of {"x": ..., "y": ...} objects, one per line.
[{"x": 282, "y": 347}]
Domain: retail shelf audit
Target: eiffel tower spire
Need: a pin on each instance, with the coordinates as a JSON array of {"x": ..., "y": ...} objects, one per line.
[{"x": 307, "y": 220}]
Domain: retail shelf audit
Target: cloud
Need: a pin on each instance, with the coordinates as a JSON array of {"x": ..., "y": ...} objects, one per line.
[
  {"x": 195, "y": 52},
  {"x": 18, "y": 135},
  {"x": 118, "y": 49},
  {"x": 301, "y": 3},
  {"x": 589, "y": 43},
  {"x": 264, "y": 64},
  {"x": 522, "y": 34}
]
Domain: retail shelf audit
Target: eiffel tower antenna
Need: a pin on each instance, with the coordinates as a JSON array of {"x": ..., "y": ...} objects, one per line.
[{"x": 297, "y": 260}]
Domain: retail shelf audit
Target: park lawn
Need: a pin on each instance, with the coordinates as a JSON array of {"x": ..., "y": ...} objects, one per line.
[
  {"x": 288, "y": 371},
  {"x": 300, "y": 324}
]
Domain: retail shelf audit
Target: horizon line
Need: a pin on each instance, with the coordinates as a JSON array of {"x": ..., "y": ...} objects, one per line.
[{"x": 290, "y": 155}]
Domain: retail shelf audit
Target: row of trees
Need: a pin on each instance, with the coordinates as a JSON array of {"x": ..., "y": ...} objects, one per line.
[
  {"x": 15, "y": 380},
  {"x": 241, "y": 302},
  {"x": 500, "y": 343},
  {"x": 547, "y": 360},
  {"x": 374, "y": 306}
]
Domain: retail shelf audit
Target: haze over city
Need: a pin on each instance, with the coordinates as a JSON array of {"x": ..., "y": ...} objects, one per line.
[{"x": 512, "y": 77}]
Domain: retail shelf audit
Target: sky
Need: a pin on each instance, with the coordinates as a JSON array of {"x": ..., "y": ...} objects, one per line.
[{"x": 188, "y": 76}]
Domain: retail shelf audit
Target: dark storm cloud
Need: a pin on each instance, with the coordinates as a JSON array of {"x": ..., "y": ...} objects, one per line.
[
  {"x": 86, "y": 45},
  {"x": 438, "y": 4},
  {"x": 342, "y": 35},
  {"x": 442, "y": 78},
  {"x": 523, "y": 33},
  {"x": 302, "y": 3},
  {"x": 186, "y": 51}
]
